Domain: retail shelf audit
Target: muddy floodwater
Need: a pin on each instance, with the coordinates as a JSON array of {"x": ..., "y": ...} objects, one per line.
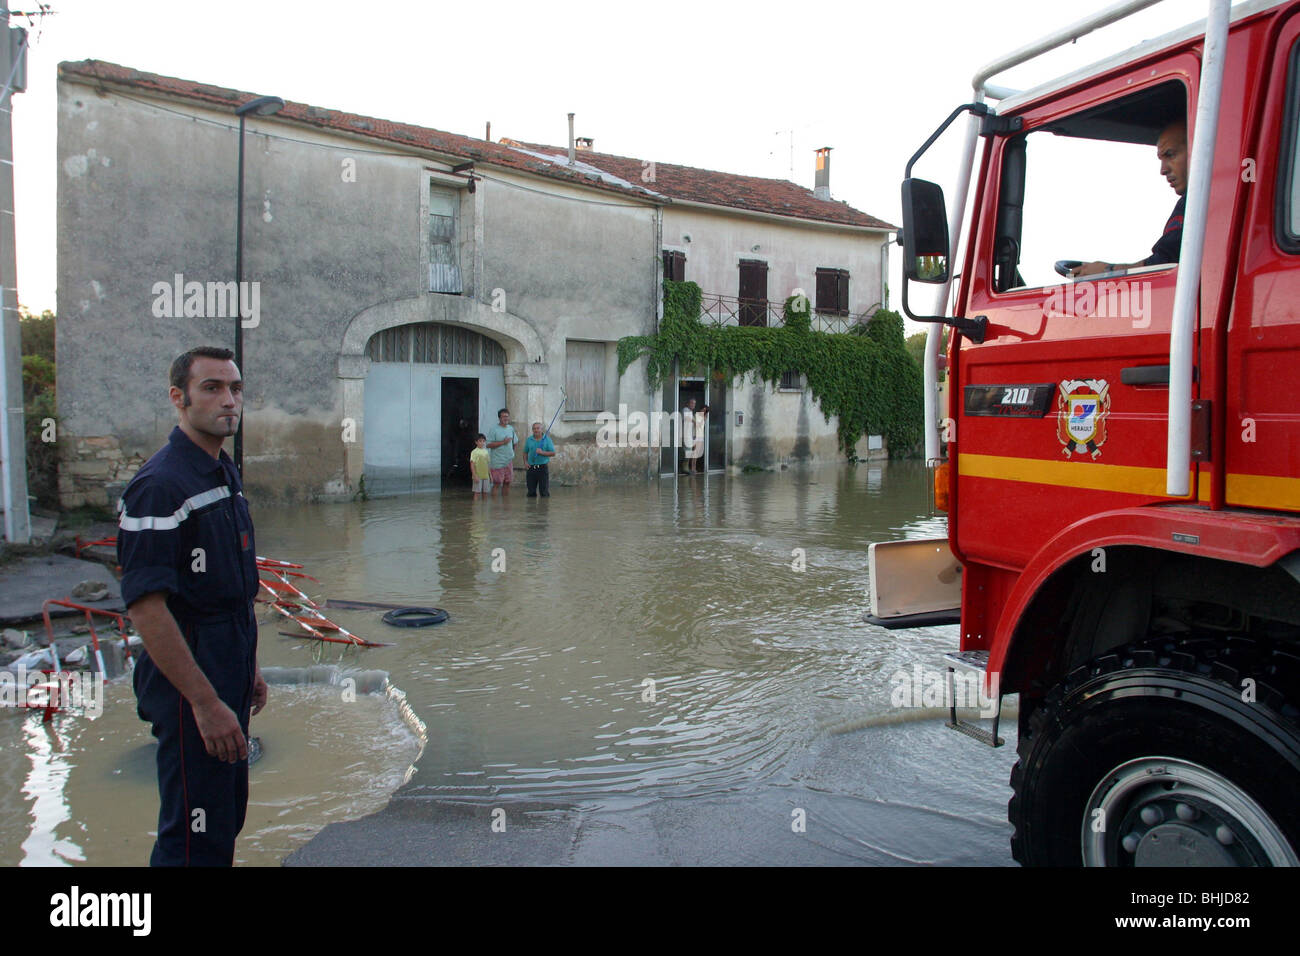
[{"x": 688, "y": 639}]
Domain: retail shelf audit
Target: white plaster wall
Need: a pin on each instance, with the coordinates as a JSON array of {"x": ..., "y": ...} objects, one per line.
[
  {"x": 781, "y": 427},
  {"x": 793, "y": 253}
]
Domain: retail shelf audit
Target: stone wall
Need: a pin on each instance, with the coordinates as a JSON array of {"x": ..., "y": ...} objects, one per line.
[{"x": 93, "y": 469}]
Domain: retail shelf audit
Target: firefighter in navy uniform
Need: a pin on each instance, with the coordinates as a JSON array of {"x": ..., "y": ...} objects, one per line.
[
  {"x": 185, "y": 544},
  {"x": 1171, "y": 150}
]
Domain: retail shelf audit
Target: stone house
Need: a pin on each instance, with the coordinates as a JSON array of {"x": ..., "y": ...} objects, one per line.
[
  {"x": 401, "y": 284},
  {"x": 750, "y": 243}
]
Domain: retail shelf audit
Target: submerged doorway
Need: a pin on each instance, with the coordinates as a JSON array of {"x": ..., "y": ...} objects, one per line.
[
  {"x": 424, "y": 380},
  {"x": 460, "y": 424},
  {"x": 710, "y": 443}
]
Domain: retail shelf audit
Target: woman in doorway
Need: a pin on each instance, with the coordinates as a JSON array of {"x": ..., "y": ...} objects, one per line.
[{"x": 693, "y": 463}]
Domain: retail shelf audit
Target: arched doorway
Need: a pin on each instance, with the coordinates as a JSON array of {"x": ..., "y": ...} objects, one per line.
[{"x": 429, "y": 389}]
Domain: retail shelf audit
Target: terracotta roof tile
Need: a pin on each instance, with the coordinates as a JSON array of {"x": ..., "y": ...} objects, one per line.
[
  {"x": 449, "y": 144},
  {"x": 618, "y": 174},
  {"x": 688, "y": 183}
]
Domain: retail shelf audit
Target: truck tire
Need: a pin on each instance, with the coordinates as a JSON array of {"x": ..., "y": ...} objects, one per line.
[{"x": 1163, "y": 754}]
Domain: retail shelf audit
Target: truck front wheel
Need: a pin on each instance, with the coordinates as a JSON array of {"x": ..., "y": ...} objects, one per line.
[{"x": 1163, "y": 755}]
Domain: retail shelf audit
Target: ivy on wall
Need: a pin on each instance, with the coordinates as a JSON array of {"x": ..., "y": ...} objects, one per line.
[{"x": 865, "y": 378}]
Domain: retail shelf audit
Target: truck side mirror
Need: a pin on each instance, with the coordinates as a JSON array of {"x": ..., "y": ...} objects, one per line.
[{"x": 925, "y": 232}]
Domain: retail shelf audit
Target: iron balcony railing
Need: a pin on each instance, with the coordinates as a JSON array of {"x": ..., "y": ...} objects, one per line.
[{"x": 718, "y": 309}]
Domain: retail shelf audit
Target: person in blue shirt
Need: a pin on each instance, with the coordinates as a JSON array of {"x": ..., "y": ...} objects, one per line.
[
  {"x": 540, "y": 450},
  {"x": 189, "y": 577}
]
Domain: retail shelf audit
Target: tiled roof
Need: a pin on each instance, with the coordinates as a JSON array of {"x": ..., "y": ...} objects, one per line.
[
  {"x": 618, "y": 174},
  {"x": 419, "y": 137},
  {"x": 777, "y": 196}
]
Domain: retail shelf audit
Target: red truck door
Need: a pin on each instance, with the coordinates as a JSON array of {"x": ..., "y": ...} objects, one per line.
[
  {"x": 1098, "y": 348},
  {"x": 1262, "y": 433}
]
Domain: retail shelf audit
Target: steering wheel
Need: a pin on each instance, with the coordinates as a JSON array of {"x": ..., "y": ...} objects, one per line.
[{"x": 1063, "y": 266}]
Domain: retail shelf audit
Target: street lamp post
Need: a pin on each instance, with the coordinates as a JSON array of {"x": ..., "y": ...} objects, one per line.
[{"x": 262, "y": 106}]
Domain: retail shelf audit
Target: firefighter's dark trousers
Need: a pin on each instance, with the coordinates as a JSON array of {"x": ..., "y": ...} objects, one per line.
[{"x": 203, "y": 799}]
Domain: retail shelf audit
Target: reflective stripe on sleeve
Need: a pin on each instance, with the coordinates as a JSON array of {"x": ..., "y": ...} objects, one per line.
[{"x": 172, "y": 521}]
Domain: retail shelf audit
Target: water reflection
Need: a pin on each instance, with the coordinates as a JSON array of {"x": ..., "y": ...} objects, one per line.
[{"x": 44, "y": 787}]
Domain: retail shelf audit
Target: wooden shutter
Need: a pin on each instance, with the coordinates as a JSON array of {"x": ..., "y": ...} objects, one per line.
[
  {"x": 753, "y": 292},
  {"x": 584, "y": 376},
  {"x": 674, "y": 265},
  {"x": 833, "y": 291}
]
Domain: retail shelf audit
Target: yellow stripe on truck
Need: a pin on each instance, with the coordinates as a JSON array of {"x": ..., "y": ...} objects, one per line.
[
  {"x": 1263, "y": 491},
  {"x": 1124, "y": 479},
  {"x": 1248, "y": 491}
]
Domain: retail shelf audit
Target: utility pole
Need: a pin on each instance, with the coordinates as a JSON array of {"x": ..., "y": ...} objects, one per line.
[{"x": 13, "y": 438}]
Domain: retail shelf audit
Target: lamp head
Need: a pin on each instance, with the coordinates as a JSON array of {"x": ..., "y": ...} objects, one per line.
[{"x": 262, "y": 106}]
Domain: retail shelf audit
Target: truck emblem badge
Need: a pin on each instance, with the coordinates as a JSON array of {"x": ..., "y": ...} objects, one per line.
[{"x": 1082, "y": 406}]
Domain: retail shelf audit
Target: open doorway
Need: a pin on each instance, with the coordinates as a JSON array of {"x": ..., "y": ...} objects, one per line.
[
  {"x": 691, "y": 454},
  {"x": 459, "y": 426}
]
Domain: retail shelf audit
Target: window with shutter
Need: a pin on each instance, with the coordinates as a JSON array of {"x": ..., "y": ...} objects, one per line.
[
  {"x": 753, "y": 292},
  {"x": 444, "y": 259},
  {"x": 584, "y": 376},
  {"x": 833, "y": 291},
  {"x": 674, "y": 265}
]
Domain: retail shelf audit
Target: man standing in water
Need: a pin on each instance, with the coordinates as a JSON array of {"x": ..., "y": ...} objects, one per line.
[
  {"x": 539, "y": 449},
  {"x": 185, "y": 544},
  {"x": 501, "y": 439}
]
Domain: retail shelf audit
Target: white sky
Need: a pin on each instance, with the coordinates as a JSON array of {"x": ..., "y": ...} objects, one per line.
[{"x": 726, "y": 86}]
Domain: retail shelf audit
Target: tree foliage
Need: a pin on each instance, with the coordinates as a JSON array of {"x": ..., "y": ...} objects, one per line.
[{"x": 40, "y": 405}]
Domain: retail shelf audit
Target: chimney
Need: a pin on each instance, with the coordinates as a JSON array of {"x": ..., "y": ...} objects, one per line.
[
  {"x": 822, "y": 187},
  {"x": 585, "y": 144},
  {"x": 487, "y": 133},
  {"x": 572, "y": 158}
]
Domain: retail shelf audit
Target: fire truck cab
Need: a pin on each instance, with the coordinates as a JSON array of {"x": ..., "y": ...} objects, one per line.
[{"x": 1122, "y": 467}]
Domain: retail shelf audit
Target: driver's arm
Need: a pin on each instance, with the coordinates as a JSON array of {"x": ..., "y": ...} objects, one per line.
[{"x": 1096, "y": 268}]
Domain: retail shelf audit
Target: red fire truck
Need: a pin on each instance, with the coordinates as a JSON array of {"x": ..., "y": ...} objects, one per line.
[{"x": 1122, "y": 467}]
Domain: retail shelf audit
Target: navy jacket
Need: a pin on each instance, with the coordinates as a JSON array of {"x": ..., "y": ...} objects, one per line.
[{"x": 185, "y": 529}]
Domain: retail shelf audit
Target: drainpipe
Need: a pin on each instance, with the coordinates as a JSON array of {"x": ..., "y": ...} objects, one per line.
[
  {"x": 657, "y": 267},
  {"x": 657, "y": 291},
  {"x": 884, "y": 272}
]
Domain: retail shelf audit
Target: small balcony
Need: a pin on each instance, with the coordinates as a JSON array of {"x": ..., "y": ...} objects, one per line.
[{"x": 764, "y": 313}]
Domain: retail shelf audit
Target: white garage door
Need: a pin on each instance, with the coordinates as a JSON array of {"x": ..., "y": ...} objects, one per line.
[{"x": 403, "y": 400}]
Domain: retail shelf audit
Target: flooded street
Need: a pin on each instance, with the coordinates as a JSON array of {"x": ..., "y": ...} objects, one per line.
[{"x": 612, "y": 649}]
